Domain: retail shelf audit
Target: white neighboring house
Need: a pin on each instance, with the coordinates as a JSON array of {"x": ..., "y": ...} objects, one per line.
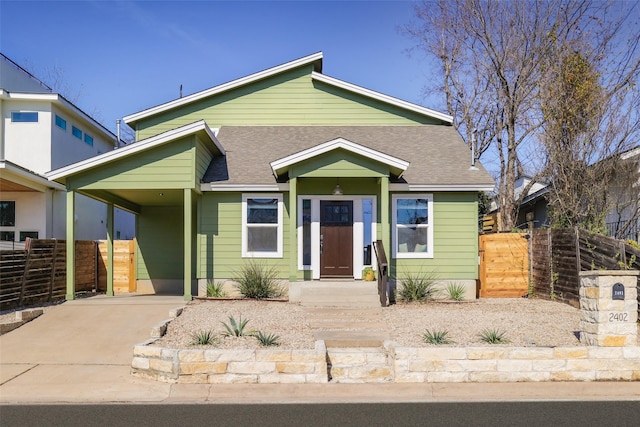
[
  {"x": 623, "y": 219},
  {"x": 40, "y": 131}
]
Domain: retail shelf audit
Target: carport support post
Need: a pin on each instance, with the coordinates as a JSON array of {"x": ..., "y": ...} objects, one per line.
[
  {"x": 71, "y": 246},
  {"x": 188, "y": 238},
  {"x": 110, "y": 249},
  {"x": 293, "y": 241}
]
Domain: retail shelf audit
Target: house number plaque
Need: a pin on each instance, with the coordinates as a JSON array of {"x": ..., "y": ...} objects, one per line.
[{"x": 617, "y": 292}]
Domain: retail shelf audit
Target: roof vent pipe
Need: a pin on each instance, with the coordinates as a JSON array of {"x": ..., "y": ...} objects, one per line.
[
  {"x": 473, "y": 150},
  {"x": 118, "y": 133}
]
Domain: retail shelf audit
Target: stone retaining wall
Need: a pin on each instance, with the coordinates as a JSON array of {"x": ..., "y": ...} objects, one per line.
[
  {"x": 514, "y": 364},
  {"x": 230, "y": 366},
  {"x": 391, "y": 364}
]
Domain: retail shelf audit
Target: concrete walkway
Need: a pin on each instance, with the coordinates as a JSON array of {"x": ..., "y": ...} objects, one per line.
[{"x": 81, "y": 351}]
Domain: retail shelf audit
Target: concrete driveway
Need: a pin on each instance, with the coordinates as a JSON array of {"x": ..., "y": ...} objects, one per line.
[{"x": 82, "y": 346}]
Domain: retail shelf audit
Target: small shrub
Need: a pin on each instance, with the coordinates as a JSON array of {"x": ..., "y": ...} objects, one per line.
[
  {"x": 203, "y": 338},
  {"x": 456, "y": 291},
  {"x": 258, "y": 281},
  {"x": 436, "y": 337},
  {"x": 418, "y": 287},
  {"x": 235, "y": 328},
  {"x": 216, "y": 290},
  {"x": 493, "y": 336},
  {"x": 267, "y": 340}
]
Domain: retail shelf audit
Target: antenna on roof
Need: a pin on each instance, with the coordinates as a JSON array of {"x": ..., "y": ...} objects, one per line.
[{"x": 181, "y": 91}]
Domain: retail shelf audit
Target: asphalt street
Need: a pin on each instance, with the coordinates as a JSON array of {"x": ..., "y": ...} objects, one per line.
[{"x": 556, "y": 414}]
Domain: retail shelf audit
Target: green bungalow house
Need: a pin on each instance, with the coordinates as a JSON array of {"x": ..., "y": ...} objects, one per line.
[{"x": 294, "y": 168}]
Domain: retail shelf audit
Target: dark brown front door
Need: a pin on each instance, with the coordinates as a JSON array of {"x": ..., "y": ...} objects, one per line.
[{"x": 336, "y": 238}]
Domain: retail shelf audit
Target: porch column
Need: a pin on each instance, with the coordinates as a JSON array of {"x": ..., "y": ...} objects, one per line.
[
  {"x": 188, "y": 239},
  {"x": 71, "y": 247},
  {"x": 110, "y": 219},
  {"x": 293, "y": 226},
  {"x": 385, "y": 222}
]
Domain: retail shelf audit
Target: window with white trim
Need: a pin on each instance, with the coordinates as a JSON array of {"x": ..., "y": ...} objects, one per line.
[
  {"x": 413, "y": 225},
  {"x": 262, "y": 225}
]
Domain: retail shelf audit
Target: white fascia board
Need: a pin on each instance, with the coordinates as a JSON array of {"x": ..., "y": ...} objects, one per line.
[
  {"x": 222, "y": 88},
  {"x": 134, "y": 148},
  {"x": 440, "y": 187},
  {"x": 37, "y": 179},
  {"x": 207, "y": 186},
  {"x": 381, "y": 97},
  {"x": 629, "y": 154},
  {"x": 333, "y": 145}
]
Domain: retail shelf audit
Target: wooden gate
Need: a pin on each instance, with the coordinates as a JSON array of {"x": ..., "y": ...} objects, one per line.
[
  {"x": 124, "y": 261},
  {"x": 504, "y": 265}
]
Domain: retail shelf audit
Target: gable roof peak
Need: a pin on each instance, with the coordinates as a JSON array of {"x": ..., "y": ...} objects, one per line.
[{"x": 315, "y": 59}]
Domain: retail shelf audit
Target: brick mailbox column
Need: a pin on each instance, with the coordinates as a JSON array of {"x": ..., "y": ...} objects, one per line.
[{"x": 609, "y": 307}]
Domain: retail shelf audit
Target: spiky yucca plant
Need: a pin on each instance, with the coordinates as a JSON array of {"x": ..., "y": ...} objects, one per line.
[
  {"x": 493, "y": 336},
  {"x": 203, "y": 338},
  {"x": 436, "y": 337},
  {"x": 267, "y": 340}
]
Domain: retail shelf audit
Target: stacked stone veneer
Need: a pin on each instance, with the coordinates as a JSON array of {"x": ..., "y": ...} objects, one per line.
[
  {"x": 391, "y": 364},
  {"x": 230, "y": 366},
  {"x": 604, "y": 321},
  {"x": 514, "y": 364}
]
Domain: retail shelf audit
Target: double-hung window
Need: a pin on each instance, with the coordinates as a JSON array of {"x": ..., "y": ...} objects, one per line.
[
  {"x": 262, "y": 225},
  {"x": 413, "y": 225}
]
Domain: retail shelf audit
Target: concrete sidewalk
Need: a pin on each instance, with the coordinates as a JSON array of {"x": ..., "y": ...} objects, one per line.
[{"x": 81, "y": 352}]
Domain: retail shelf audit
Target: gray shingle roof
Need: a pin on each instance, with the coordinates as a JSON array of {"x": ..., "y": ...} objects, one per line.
[{"x": 437, "y": 154}]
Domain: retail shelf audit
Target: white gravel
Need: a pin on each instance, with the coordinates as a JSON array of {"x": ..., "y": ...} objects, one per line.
[{"x": 526, "y": 322}]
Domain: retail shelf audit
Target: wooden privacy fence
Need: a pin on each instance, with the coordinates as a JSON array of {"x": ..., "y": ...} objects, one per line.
[
  {"x": 124, "y": 275},
  {"x": 38, "y": 273},
  {"x": 560, "y": 254},
  {"x": 504, "y": 265}
]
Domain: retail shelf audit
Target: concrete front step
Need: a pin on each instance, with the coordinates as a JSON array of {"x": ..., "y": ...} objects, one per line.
[
  {"x": 338, "y": 294},
  {"x": 351, "y": 339}
]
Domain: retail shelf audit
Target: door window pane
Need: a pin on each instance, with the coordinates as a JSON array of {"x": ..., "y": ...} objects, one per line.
[
  {"x": 306, "y": 232},
  {"x": 7, "y": 213}
]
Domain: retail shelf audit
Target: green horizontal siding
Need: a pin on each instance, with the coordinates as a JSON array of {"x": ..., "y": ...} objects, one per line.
[
  {"x": 203, "y": 158},
  {"x": 220, "y": 237},
  {"x": 160, "y": 243},
  {"x": 290, "y": 98},
  {"x": 167, "y": 166},
  {"x": 455, "y": 234},
  {"x": 338, "y": 163},
  {"x": 350, "y": 186}
]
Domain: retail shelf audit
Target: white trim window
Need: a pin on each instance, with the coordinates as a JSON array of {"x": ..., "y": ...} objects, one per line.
[
  {"x": 262, "y": 225},
  {"x": 413, "y": 225}
]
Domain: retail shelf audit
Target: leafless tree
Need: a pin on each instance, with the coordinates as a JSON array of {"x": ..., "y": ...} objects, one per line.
[{"x": 492, "y": 57}]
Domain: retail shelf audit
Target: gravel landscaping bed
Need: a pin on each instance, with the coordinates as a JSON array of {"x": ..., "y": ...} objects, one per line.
[{"x": 526, "y": 322}]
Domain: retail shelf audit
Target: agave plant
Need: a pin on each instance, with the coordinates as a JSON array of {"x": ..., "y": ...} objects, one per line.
[
  {"x": 267, "y": 340},
  {"x": 436, "y": 337},
  {"x": 235, "y": 328},
  {"x": 493, "y": 336},
  {"x": 216, "y": 290},
  {"x": 203, "y": 338}
]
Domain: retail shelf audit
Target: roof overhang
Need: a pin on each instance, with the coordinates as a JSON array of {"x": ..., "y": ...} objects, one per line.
[
  {"x": 381, "y": 97},
  {"x": 315, "y": 58},
  {"x": 397, "y": 166},
  {"x": 31, "y": 181},
  {"x": 441, "y": 187},
  {"x": 199, "y": 127}
]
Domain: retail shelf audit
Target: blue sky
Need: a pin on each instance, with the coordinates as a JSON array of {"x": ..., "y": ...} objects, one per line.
[{"x": 125, "y": 56}]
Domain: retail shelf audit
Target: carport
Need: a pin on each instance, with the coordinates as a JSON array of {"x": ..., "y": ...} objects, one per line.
[{"x": 158, "y": 180}]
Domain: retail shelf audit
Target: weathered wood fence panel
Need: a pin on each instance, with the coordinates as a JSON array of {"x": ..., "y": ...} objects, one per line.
[
  {"x": 560, "y": 254},
  {"x": 124, "y": 274},
  {"x": 38, "y": 273},
  {"x": 504, "y": 265}
]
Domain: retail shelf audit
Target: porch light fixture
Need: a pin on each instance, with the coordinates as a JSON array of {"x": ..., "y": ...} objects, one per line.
[{"x": 337, "y": 191}]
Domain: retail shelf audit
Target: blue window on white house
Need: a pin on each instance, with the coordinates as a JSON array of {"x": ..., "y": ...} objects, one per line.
[
  {"x": 88, "y": 139},
  {"x": 413, "y": 226},
  {"x": 24, "y": 116},
  {"x": 262, "y": 225},
  {"x": 76, "y": 132},
  {"x": 61, "y": 123}
]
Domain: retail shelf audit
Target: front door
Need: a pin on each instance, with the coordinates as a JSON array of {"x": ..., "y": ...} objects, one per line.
[{"x": 336, "y": 238}]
